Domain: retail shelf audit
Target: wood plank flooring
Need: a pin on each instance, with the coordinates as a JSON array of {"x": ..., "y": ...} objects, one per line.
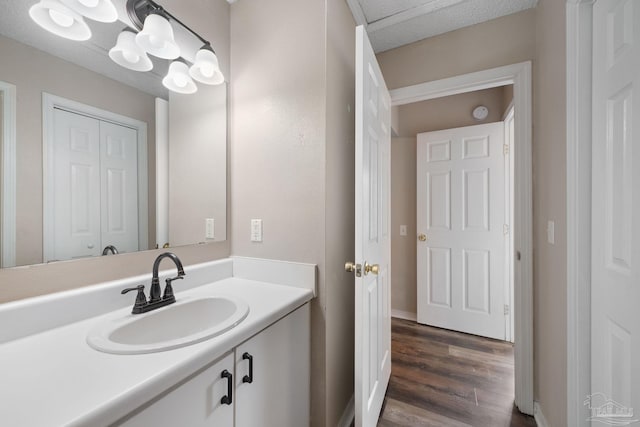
[{"x": 445, "y": 378}]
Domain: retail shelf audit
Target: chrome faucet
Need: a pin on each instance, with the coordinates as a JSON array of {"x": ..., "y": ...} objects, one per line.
[
  {"x": 155, "y": 300},
  {"x": 111, "y": 249}
]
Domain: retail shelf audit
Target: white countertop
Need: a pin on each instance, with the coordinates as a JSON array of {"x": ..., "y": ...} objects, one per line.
[{"x": 54, "y": 378}]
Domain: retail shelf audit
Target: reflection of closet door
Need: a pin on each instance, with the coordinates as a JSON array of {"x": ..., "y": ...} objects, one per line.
[
  {"x": 95, "y": 188},
  {"x": 76, "y": 186},
  {"x": 119, "y": 186}
]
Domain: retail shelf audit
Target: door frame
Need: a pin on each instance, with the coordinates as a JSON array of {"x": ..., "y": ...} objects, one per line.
[
  {"x": 579, "y": 46},
  {"x": 49, "y": 103},
  {"x": 8, "y": 231},
  {"x": 520, "y": 76}
]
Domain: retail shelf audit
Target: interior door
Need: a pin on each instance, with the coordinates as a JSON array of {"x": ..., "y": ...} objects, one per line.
[
  {"x": 461, "y": 253},
  {"x": 119, "y": 187},
  {"x": 615, "y": 315},
  {"x": 372, "y": 244},
  {"x": 76, "y": 186}
]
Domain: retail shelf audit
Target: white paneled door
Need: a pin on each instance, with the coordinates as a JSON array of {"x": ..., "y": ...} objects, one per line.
[
  {"x": 95, "y": 187},
  {"x": 372, "y": 241},
  {"x": 615, "y": 275},
  {"x": 462, "y": 229}
]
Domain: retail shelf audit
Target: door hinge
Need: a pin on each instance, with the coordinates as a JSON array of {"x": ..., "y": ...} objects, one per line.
[
  {"x": 505, "y": 149},
  {"x": 505, "y": 229},
  {"x": 507, "y": 310}
]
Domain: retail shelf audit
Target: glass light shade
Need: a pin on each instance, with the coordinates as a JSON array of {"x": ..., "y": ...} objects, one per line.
[
  {"x": 205, "y": 69},
  {"x": 178, "y": 78},
  {"x": 157, "y": 39},
  {"x": 98, "y": 10},
  {"x": 60, "y": 20},
  {"x": 128, "y": 54}
]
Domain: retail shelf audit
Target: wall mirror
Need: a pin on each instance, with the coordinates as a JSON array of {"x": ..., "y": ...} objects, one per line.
[{"x": 177, "y": 195}]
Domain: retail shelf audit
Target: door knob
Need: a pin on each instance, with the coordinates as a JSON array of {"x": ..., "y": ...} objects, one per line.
[
  {"x": 371, "y": 268},
  {"x": 422, "y": 237},
  {"x": 352, "y": 267}
]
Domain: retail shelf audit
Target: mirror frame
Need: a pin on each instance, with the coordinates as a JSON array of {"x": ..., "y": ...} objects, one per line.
[{"x": 8, "y": 197}]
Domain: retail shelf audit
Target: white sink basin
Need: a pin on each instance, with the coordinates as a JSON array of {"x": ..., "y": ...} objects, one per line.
[{"x": 186, "y": 322}]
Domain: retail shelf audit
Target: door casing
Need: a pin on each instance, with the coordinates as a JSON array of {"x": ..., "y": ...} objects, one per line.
[{"x": 520, "y": 76}]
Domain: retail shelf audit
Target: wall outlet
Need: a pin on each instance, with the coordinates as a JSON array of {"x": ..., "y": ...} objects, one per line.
[
  {"x": 551, "y": 232},
  {"x": 403, "y": 230},
  {"x": 210, "y": 228},
  {"x": 256, "y": 230}
]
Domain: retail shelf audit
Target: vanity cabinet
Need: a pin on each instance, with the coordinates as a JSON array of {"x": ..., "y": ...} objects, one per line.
[
  {"x": 277, "y": 394},
  {"x": 195, "y": 402},
  {"x": 270, "y": 384}
]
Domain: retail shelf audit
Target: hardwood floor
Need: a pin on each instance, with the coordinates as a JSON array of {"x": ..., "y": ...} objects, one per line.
[{"x": 446, "y": 378}]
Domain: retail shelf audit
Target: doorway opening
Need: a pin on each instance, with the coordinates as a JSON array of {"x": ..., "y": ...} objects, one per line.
[{"x": 518, "y": 75}]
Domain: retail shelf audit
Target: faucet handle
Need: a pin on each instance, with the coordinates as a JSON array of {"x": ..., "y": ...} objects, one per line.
[
  {"x": 168, "y": 289},
  {"x": 141, "y": 299}
]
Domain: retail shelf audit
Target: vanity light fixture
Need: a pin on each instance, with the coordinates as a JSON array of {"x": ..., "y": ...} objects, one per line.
[
  {"x": 178, "y": 78},
  {"x": 128, "y": 54},
  {"x": 60, "y": 20},
  {"x": 97, "y": 10}
]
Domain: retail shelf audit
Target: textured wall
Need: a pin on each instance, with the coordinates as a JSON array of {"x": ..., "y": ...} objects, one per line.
[{"x": 549, "y": 203}]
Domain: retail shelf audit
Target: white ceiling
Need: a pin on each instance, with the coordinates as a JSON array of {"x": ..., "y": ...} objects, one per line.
[{"x": 394, "y": 23}]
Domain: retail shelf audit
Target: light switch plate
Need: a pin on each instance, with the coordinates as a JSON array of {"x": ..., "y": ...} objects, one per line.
[
  {"x": 551, "y": 232},
  {"x": 403, "y": 230},
  {"x": 256, "y": 230},
  {"x": 210, "y": 228}
]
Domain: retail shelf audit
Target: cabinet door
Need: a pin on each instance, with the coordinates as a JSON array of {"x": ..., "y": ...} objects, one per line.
[
  {"x": 278, "y": 394},
  {"x": 194, "y": 403}
]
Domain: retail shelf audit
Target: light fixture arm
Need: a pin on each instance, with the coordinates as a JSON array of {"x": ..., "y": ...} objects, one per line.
[{"x": 138, "y": 10}]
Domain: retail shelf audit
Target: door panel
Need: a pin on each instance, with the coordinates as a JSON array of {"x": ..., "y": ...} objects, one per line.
[
  {"x": 615, "y": 318},
  {"x": 372, "y": 244},
  {"x": 461, "y": 210},
  {"x": 119, "y": 186},
  {"x": 76, "y": 208}
]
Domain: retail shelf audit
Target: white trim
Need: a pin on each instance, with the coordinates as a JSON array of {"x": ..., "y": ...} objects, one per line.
[
  {"x": 49, "y": 102},
  {"x": 541, "y": 421},
  {"x": 348, "y": 415},
  {"x": 520, "y": 76},
  {"x": 509, "y": 214},
  {"x": 406, "y": 315},
  {"x": 8, "y": 198},
  {"x": 162, "y": 172},
  {"x": 579, "y": 45},
  {"x": 414, "y": 12}
]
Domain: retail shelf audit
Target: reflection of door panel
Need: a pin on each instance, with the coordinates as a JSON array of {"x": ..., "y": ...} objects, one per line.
[
  {"x": 615, "y": 230},
  {"x": 119, "y": 186},
  {"x": 95, "y": 188},
  {"x": 77, "y": 186},
  {"x": 461, "y": 210}
]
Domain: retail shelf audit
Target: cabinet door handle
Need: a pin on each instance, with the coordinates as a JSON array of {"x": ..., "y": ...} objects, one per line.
[
  {"x": 248, "y": 378},
  {"x": 228, "y": 399}
]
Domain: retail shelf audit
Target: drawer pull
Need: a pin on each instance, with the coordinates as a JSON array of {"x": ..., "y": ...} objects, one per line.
[
  {"x": 248, "y": 378},
  {"x": 228, "y": 399}
]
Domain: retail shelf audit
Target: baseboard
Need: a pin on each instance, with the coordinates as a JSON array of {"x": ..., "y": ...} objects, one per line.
[
  {"x": 541, "y": 421},
  {"x": 348, "y": 414},
  {"x": 406, "y": 315}
]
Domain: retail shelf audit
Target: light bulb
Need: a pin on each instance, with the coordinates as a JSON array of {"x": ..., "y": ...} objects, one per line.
[
  {"x": 207, "y": 70},
  {"x": 156, "y": 37},
  {"x": 61, "y": 19},
  {"x": 130, "y": 56},
  {"x": 178, "y": 79}
]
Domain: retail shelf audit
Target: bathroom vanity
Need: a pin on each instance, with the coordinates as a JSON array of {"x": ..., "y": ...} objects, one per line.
[{"x": 255, "y": 373}]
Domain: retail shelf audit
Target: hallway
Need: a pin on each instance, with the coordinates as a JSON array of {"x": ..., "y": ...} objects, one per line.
[{"x": 446, "y": 378}]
